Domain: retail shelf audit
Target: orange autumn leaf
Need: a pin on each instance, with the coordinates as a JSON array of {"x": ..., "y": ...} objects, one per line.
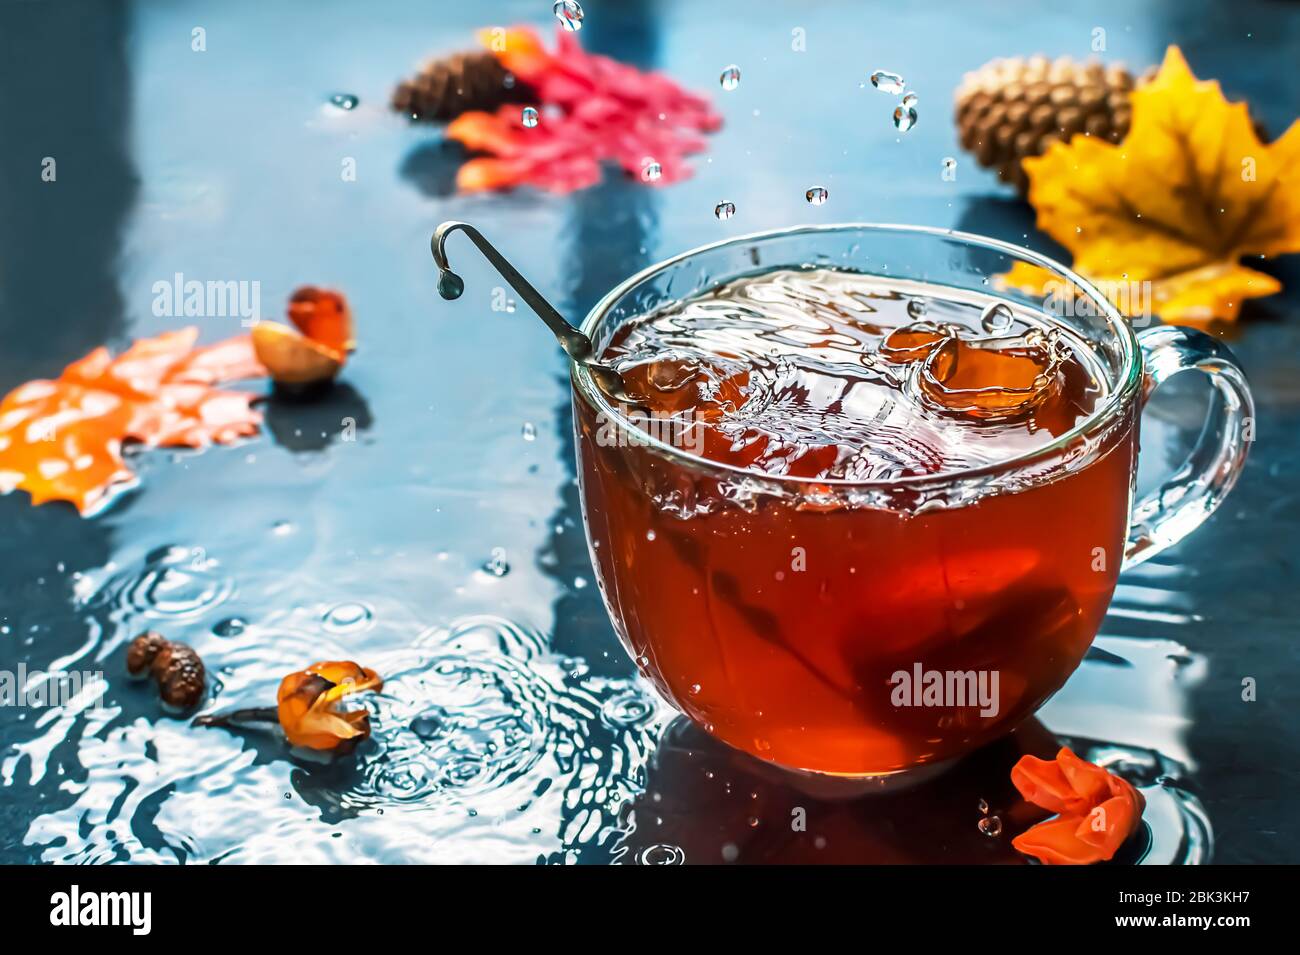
[
  {"x": 62, "y": 440},
  {"x": 307, "y": 704},
  {"x": 1187, "y": 194},
  {"x": 1097, "y": 811}
]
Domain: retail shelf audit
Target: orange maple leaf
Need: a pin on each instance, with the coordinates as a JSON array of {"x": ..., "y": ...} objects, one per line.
[
  {"x": 62, "y": 440},
  {"x": 1188, "y": 192},
  {"x": 308, "y": 704}
]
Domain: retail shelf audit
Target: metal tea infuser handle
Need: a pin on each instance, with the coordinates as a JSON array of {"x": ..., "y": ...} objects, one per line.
[{"x": 575, "y": 344}]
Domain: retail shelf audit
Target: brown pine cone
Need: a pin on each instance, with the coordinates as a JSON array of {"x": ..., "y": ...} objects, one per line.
[
  {"x": 455, "y": 84},
  {"x": 1010, "y": 109}
]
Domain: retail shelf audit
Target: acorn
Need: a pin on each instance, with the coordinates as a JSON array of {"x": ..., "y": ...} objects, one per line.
[
  {"x": 1011, "y": 109},
  {"x": 177, "y": 668}
]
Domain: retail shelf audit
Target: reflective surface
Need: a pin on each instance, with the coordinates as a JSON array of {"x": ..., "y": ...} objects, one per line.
[{"x": 513, "y": 728}]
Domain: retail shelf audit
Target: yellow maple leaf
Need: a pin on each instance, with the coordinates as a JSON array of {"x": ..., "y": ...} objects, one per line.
[{"x": 1188, "y": 192}]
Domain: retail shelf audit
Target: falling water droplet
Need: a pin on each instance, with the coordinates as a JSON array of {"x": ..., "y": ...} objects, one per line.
[
  {"x": 996, "y": 318},
  {"x": 344, "y": 101},
  {"x": 730, "y": 78},
  {"x": 887, "y": 82},
  {"x": 724, "y": 209},
  {"x": 450, "y": 285},
  {"x": 904, "y": 118},
  {"x": 529, "y": 431},
  {"x": 916, "y": 307},
  {"x": 529, "y": 117},
  {"x": 569, "y": 13},
  {"x": 650, "y": 169},
  {"x": 909, "y": 99},
  {"x": 991, "y": 826},
  {"x": 816, "y": 195}
]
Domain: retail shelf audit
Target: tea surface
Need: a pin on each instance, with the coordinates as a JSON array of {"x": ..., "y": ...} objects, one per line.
[{"x": 832, "y": 374}]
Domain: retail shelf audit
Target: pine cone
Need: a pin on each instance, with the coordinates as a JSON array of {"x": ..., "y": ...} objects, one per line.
[
  {"x": 1010, "y": 109},
  {"x": 455, "y": 84}
]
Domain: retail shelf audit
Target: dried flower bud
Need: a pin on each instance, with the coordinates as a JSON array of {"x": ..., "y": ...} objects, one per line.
[{"x": 308, "y": 705}]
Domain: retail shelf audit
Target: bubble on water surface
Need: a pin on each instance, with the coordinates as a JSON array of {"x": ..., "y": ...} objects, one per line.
[
  {"x": 661, "y": 855},
  {"x": 916, "y": 307},
  {"x": 569, "y": 13},
  {"x": 887, "y": 82},
  {"x": 347, "y": 617},
  {"x": 496, "y": 565}
]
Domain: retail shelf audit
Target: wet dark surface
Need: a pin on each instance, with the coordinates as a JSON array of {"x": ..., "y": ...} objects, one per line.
[{"x": 321, "y": 539}]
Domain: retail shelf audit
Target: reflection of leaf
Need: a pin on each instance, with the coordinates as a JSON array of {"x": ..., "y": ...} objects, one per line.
[
  {"x": 1188, "y": 193},
  {"x": 62, "y": 439}
]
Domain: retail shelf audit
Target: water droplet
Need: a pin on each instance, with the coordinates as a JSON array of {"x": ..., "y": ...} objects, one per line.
[
  {"x": 529, "y": 431},
  {"x": 346, "y": 617},
  {"x": 984, "y": 807},
  {"x": 529, "y": 117},
  {"x": 949, "y": 164},
  {"x": 996, "y": 318},
  {"x": 450, "y": 285},
  {"x": 230, "y": 627},
  {"x": 496, "y": 564},
  {"x": 730, "y": 78},
  {"x": 651, "y": 170},
  {"x": 282, "y": 528},
  {"x": 816, "y": 195},
  {"x": 569, "y": 13},
  {"x": 724, "y": 209},
  {"x": 991, "y": 826},
  {"x": 910, "y": 99},
  {"x": 650, "y": 534},
  {"x": 695, "y": 689},
  {"x": 344, "y": 101},
  {"x": 887, "y": 82},
  {"x": 904, "y": 118},
  {"x": 916, "y": 307},
  {"x": 427, "y": 726}
]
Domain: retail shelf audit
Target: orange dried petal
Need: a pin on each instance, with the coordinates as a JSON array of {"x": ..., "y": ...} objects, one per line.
[{"x": 324, "y": 317}]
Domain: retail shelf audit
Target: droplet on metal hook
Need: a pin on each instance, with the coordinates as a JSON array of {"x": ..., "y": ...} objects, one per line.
[{"x": 450, "y": 285}]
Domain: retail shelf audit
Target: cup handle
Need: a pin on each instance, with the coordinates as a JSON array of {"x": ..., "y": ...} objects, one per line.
[{"x": 1191, "y": 494}]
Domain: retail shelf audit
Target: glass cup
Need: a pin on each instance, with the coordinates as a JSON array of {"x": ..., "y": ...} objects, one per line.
[{"x": 806, "y": 621}]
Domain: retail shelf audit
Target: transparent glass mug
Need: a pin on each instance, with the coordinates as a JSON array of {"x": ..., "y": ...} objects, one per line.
[{"x": 778, "y": 612}]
